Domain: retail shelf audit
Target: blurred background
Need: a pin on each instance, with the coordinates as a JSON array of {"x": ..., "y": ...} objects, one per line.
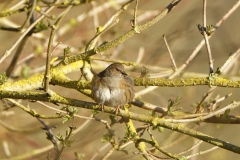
[{"x": 146, "y": 49}]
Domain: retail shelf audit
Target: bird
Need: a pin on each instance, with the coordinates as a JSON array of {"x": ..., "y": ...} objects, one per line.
[{"x": 112, "y": 87}]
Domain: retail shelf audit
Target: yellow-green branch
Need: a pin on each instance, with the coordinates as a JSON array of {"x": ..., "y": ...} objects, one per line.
[{"x": 138, "y": 117}]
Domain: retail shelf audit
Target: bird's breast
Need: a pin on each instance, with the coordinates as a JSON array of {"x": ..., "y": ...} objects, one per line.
[{"x": 112, "y": 91}]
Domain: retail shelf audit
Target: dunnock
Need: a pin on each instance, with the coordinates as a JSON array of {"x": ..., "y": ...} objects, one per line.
[{"x": 112, "y": 87}]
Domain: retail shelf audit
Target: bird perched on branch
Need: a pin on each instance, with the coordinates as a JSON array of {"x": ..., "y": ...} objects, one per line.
[{"x": 112, "y": 87}]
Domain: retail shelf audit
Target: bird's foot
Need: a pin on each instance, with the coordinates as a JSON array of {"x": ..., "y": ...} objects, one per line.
[{"x": 117, "y": 109}]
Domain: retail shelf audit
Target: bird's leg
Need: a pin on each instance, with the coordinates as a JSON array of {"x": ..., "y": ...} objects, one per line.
[
  {"x": 101, "y": 106},
  {"x": 117, "y": 109}
]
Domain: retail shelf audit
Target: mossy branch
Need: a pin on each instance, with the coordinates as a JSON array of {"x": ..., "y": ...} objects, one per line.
[
  {"x": 219, "y": 82},
  {"x": 54, "y": 98},
  {"x": 59, "y": 78}
]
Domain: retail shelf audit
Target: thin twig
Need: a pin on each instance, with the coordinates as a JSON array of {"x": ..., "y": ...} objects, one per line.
[
  {"x": 8, "y": 52},
  {"x": 206, "y": 37},
  {"x": 229, "y": 60},
  {"x": 13, "y": 129},
  {"x": 170, "y": 53},
  {"x": 32, "y": 112},
  {"x": 26, "y": 58},
  {"x": 178, "y": 140},
  {"x": 140, "y": 55},
  {"x": 18, "y": 52},
  {"x": 22, "y": 43},
  {"x": 44, "y": 149},
  {"x": 147, "y": 154},
  {"x": 58, "y": 110},
  {"x": 141, "y": 146},
  {"x": 200, "y": 45},
  {"x": 107, "y": 155},
  {"x": 213, "y": 106},
  {"x": 153, "y": 142},
  {"x": 207, "y": 116},
  {"x": 16, "y": 5},
  {"x": 134, "y": 21},
  {"x": 132, "y": 32},
  {"x": 49, "y": 49},
  {"x": 194, "y": 53},
  {"x": 84, "y": 117},
  {"x": 202, "y": 152},
  {"x": 218, "y": 100},
  {"x": 6, "y": 149},
  {"x": 204, "y": 13},
  {"x": 203, "y": 99},
  {"x": 135, "y": 14},
  {"x": 110, "y": 151},
  {"x": 50, "y": 135},
  {"x": 66, "y": 27},
  {"x": 191, "y": 148},
  {"x": 100, "y": 150},
  {"x": 64, "y": 142},
  {"x": 91, "y": 44},
  {"x": 127, "y": 63},
  {"x": 29, "y": 14},
  {"x": 95, "y": 17}
]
